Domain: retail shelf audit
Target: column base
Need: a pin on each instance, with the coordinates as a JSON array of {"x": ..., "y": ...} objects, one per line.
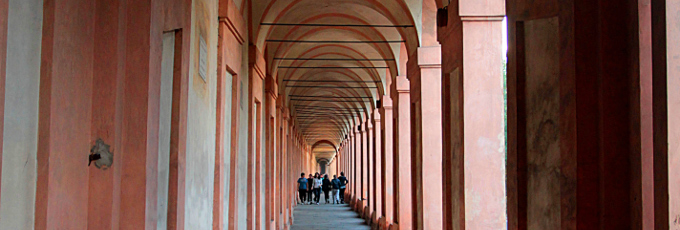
[
  {"x": 394, "y": 227},
  {"x": 367, "y": 214},
  {"x": 374, "y": 221},
  {"x": 382, "y": 223}
]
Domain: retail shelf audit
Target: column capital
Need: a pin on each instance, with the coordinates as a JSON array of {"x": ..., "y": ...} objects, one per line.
[
  {"x": 376, "y": 115},
  {"x": 387, "y": 103},
  {"x": 403, "y": 85},
  {"x": 430, "y": 56},
  {"x": 481, "y": 8}
]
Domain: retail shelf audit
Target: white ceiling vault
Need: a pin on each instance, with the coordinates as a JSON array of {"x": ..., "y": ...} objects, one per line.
[{"x": 333, "y": 58}]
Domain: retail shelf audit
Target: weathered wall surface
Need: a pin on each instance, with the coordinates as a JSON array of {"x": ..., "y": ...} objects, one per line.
[
  {"x": 227, "y": 150},
  {"x": 542, "y": 126},
  {"x": 24, "y": 37},
  {"x": 242, "y": 180},
  {"x": 165, "y": 113},
  {"x": 201, "y": 117}
]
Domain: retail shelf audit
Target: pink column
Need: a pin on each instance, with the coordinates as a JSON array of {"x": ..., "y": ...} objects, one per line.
[
  {"x": 364, "y": 165},
  {"x": 356, "y": 143},
  {"x": 402, "y": 177},
  {"x": 430, "y": 164},
  {"x": 370, "y": 170},
  {"x": 376, "y": 168},
  {"x": 387, "y": 165},
  {"x": 673, "y": 97},
  {"x": 484, "y": 138}
]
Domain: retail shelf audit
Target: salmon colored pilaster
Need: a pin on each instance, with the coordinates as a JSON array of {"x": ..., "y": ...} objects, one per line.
[
  {"x": 376, "y": 148},
  {"x": 141, "y": 105},
  {"x": 255, "y": 127},
  {"x": 430, "y": 154},
  {"x": 484, "y": 151},
  {"x": 387, "y": 166},
  {"x": 370, "y": 170},
  {"x": 65, "y": 105},
  {"x": 270, "y": 155},
  {"x": 356, "y": 139},
  {"x": 364, "y": 165},
  {"x": 105, "y": 122},
  {"x": 402, "y": 163},
  {"x": 354, "y": 164},
  {"x": 351, "y": 163},
  {"x": 278, "y": 190},
  {"x": 673, "y": 80}
]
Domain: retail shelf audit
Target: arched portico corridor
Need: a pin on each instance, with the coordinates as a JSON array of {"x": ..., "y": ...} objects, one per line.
[{"x": 442, "y": 114}]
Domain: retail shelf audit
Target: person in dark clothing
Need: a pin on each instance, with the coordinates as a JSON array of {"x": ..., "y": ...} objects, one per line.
[
  {"x": 302, "y": 187},
  {"x": 343, "y": 186},
  {"x": 326, "y": 186},
  {"x": 310, "y": 189},
  {"x": 335, "y": 185}
]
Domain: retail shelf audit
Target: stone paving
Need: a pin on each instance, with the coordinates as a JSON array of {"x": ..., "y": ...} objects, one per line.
[{"x": 326, "y": 216}]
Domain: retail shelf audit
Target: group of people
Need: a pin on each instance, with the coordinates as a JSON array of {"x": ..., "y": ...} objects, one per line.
[{"x": 310, "y": 188}]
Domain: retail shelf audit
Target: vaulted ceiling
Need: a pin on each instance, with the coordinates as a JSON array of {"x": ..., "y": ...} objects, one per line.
[{"x": 333, "y": 59}]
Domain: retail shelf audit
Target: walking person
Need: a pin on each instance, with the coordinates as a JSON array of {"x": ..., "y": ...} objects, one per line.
[
  {"x": 326, "y": 187},
  {"x": 335, "y": 192},
  {"x": 317, "y": 188},
  {"x": 302, "y": 187},
  {"x": 310, "y": 189},
  {"x": 343, "y": 186}
]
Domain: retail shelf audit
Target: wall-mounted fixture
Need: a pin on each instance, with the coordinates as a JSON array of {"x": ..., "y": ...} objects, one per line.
[{"x": 101, "y": 154}]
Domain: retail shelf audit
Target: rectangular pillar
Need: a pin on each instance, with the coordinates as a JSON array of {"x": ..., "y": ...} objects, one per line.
[
  {"x": 370, "y": 170},
  {"x": 356, "y": 191},
  {"x": 377, "y": 168},
  {"x": 428, "y": 152},
  {"x": 364, "y": 165},
  {"x": 387, "y": 161},
  {"x": 673, "y": 102},
  {"x": 484, "y": 160},
  {"x": 65, "y": 105},
  {"x": 402, "y": 176}
]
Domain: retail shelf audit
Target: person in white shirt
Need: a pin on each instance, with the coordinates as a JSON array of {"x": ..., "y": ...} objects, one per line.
[{"x": 317, "y": 188}]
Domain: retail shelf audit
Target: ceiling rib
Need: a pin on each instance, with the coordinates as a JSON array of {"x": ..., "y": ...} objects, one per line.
[
  {"x": 326, "y": 96},
  {"x": 331, "y": 100},
  {"x": 336, "y": 87},
  {"x": 334, "y": 59},
  {"x": 333, "y": 67},
  {"x": 308, "y": 41},
  {"x": 333, "y": 25},
  {"x": 330, "y": 81}
]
